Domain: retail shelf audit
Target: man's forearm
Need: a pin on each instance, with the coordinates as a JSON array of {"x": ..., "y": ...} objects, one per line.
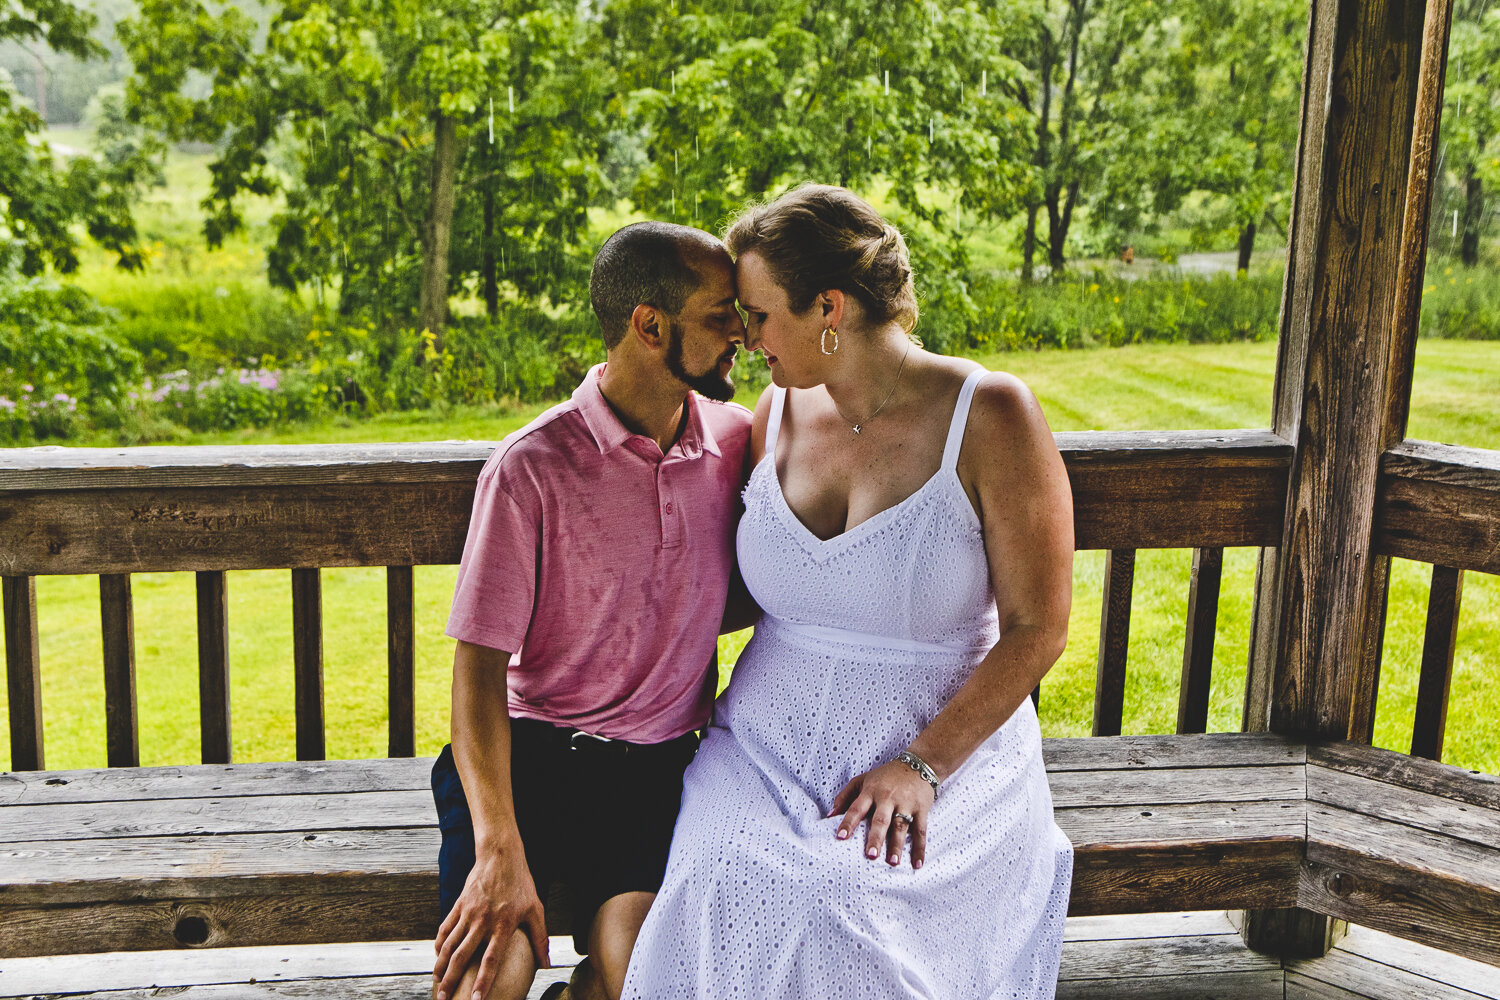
[{"x": 481, "y": 745}]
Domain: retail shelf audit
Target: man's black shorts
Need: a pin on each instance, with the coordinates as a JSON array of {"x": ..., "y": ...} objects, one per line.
[{"x": 595, "y": 817}]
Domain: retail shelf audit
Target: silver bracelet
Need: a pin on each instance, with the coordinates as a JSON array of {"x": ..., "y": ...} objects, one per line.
[{"x": 923, "y": 769}]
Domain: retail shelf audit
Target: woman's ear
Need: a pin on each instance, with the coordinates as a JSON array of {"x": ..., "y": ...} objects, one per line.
[{"x": 832, "y": 304}]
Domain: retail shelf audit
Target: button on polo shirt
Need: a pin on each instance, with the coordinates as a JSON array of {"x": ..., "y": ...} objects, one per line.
[{"x": 603, "y": 564}]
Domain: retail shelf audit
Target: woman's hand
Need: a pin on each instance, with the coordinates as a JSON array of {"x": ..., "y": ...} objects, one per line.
[{"x": 886, "y": 796}]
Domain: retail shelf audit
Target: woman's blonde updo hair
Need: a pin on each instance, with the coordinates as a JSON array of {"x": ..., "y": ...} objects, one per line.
[{"x": 819, "y": 237}]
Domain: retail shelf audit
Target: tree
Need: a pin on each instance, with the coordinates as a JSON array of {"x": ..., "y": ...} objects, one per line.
[
  {"x": 1471, "y": 118},
  {"x": 1070, "y": 51},
  {"x": 1209, "y": 105},
  {"x": 740, "y": 102},
  {"x": 42, "y": 200},
  {"x": 389, "y": 126}
]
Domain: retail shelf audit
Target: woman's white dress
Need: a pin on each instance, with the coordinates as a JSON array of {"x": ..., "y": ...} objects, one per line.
[{"x": 865, "y": 637}]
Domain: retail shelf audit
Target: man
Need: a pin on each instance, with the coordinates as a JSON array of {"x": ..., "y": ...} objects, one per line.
[{"x": 599, "y": 552}]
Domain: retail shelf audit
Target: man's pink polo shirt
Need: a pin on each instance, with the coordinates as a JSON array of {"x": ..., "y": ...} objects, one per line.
[{"x": 604, "y": 564}]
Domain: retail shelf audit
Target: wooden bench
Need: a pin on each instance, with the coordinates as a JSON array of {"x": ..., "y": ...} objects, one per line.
[{"x": 343, "y": 851}]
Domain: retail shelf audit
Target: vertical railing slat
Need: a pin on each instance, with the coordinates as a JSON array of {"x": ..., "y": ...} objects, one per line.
[
  {"x": 213, "y": 667},
  {"x": 1114, "y": 642},
  {"x": 401, "y": 660},
  {"x": 1437, "y": 662},
  {"x": 307, "y": 658},
  {"x": 1198, "y": 649},
  {"x": 23, "y": 673},
  {"x": 117, "y": 621}
]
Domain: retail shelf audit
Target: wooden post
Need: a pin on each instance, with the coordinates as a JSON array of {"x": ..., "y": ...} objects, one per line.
[
  {"x": 213, "y": 667},
  {"x": 23, "y": 673},
  {"x": 401, "y": 661},
  {"x": 307, "y": 658},
  {"x": 1437, "y": 662},
  {"x": 1198, "y": 647},
  {"x": 117, "y": 619},
  {"x": 1114, "y": 642},
  {"x": 1320, "y": 596}
]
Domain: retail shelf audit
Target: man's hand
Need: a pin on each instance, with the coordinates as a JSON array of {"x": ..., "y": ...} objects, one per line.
[{"x": 498, "y": 899}]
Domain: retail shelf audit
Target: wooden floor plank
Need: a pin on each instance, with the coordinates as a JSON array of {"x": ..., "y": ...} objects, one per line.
[
  {"x": 1365, "y": 978},
  {"x": 1086, "y": 753},
  {"x": 1227, "y": 784},
  {"x": 209, "y": 780},
  {"x": 1265, "y": 984},
  {"x": 1419, "y": 959},
  {"x": 1201, "y": 923},
  {"x": 243, "y": 814},
  {"x": 1407, "y": 806}
]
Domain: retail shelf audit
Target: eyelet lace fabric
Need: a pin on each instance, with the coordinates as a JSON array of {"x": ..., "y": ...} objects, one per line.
[{"x": 865, "y": 637}]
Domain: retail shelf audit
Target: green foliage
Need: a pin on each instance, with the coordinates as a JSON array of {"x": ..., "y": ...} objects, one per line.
[
  {"x": 1470, "y": 169},
  {"x": 1100, "y": 310},
  {"x": 1461, "y": 303}
]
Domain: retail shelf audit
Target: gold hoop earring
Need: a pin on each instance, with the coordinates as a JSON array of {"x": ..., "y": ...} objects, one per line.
[{"x": 823, "y": 340}]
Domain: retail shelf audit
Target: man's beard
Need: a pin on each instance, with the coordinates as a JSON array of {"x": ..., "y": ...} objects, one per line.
[{"x": 710, "y": 383}]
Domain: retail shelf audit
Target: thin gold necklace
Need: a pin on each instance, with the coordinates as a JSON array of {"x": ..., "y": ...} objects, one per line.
[{"x": 857, "y": 426}]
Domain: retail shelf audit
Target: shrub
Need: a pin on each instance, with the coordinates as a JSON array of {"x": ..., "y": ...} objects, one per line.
[{"x": 1461, "y": 303}]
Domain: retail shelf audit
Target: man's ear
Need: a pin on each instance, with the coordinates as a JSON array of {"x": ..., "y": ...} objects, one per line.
[{"x": 649, "y": 326}]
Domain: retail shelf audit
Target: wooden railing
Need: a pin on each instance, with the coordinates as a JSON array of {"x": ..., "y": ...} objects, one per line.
[{"x": 113, "y": 513}]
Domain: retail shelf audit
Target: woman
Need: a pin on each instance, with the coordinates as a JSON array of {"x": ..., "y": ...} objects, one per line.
[{"x": 908, "y": 533}]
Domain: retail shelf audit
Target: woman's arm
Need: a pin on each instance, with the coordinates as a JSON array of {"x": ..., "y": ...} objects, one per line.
[{"x": 1015, "y": 476}]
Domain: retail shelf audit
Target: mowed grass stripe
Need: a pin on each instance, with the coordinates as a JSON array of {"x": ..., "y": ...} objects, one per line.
[{"x": 1133, "y": 388}]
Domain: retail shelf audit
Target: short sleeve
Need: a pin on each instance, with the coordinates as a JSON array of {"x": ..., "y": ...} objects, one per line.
[{"x": 496, "y": 590}]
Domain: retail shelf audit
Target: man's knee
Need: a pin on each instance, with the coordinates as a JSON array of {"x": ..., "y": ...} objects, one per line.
[
  {"x": 612, "y": 938},
  {"x": 514, "y": 973}
]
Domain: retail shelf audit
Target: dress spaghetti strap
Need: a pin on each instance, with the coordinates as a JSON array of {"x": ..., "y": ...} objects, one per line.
[
  {"x": 960, "y": 418},
  {"x": 773, "y": 420}
]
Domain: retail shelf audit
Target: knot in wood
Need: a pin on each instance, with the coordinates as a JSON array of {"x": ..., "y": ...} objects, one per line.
[{"x": 1341, "y": 884}]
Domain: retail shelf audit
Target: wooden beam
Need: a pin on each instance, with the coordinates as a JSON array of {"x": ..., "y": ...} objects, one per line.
[
  {"x": 213, "y": 668},
  {"x": 23, "y": 674},
  {"x": 1437, "y": 662},
  {"x": 1320, "y": 595},
  {"x": 307, "y": 657},
  {"x": 117, "y": 618},
  {"x": 1176, "y": 489},
  {"x": 1114, "y": 643},
  {"x": 401, "y": 661},
  {"x": 1440, "y": 504},
  {"x": 1198, "y": 648}
]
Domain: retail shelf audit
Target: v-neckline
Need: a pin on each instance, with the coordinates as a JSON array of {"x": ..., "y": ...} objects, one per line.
[{"x": 810, "y": 536}]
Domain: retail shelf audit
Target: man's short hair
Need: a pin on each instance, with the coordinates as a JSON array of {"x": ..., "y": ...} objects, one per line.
[{"x": 645, "y": 263}]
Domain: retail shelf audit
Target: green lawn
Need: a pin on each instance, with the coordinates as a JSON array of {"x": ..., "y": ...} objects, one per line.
[{"x": 1145, "y": 387}]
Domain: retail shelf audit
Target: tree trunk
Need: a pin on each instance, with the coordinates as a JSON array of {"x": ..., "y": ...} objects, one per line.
[
  {"x": 1247, "y": 244},
  {"x": 487, "y": 264},
  {"x": 437, "y": 228},
  {"x": 1057, "y": 232},
  {"x": 1028, "y": 245},
  {"x": 1473, "y": 218}
]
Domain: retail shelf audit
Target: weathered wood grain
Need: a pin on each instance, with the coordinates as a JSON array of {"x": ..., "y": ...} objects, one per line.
[
  {"x": 117, "y": 621},
  {"x": 1438, "y": 644},
  {"x": 401, "y": 660},
  {"x": 1090, "y": 753},
  {"x": 1303, "y": 987},
  {"x": 1407, "y": 806},
  {"x": 1114, "y": 642},
  {"x": 1110, "y": 827},
  {"x": 1260, "y": 985},
  {"x": 307, "y": 661},
  {"x": 1437, "y": 522},
  {"x": 1433, "y": 889},
  {"x": 1198, "y": 646},
  {"x": 186, "y": 509},
  {"x": 1343, "y": 974},
  {"x": 23, "y": 674},
  {"x": 1154, "y": 955},
  {"x": 213, "y": 667},
  {"x": 319, "y": 911},
  {"x": 212, "y": 780},
  {"x": 1455, "y": 783},
  {"x": 159, "y": 467},
  {"x": 1175, "y": 489},
  {"x": 1402, "y": 956},
  {"x": 1072, "y": 789},
  {"x": 1150, "y": 878},
  {"x": 233, "y": 527},
  {"x": 218, "y": 815}
]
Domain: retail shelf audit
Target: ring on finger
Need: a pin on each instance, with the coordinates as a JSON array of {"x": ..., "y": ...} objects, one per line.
[{"x": 903, "y": 817}]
